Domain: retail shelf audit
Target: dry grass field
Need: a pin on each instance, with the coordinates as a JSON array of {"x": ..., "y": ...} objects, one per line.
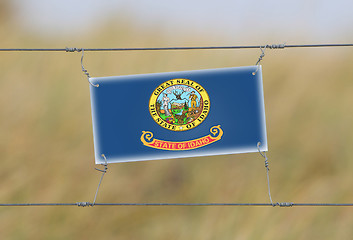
[{"x": 46, "y": 146}]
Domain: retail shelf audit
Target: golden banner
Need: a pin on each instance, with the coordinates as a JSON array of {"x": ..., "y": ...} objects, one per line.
[{"x": 147, "y": 140}]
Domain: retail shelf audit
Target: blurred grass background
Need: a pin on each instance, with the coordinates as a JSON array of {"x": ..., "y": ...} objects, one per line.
[{"x": 46, "y": 145}]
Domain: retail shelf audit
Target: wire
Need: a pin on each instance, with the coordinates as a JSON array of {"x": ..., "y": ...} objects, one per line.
[
  {"x": 88, "y": 204},
  {"x": 263, "y": 154},
  {"x": 284, "y": 204},
  {"x": 273, "y": 46},
  {"x": 103, "y": 172},
  {"x": 36, "y": 204}
]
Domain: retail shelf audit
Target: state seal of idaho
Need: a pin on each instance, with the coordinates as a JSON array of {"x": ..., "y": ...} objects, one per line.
[{"x": 179, "y": 104}]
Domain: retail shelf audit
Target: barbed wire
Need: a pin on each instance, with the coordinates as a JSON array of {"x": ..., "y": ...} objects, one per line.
[{"x": 269, "y": 46}]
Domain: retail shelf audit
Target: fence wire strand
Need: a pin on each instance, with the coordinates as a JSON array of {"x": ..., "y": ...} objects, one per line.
[
  {"x": 88, "y": 204},
  {"x": 268, "y": 46}
]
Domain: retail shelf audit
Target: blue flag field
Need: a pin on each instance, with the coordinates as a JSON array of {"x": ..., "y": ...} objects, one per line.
[{"x": 178, "y": 114}]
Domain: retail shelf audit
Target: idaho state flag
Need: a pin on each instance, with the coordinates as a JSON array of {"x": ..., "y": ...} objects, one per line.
[{"x": 178, "y": 114}]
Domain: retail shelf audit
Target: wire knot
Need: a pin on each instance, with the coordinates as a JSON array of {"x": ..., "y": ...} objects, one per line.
[
  {"x": 263, "y": 154},
  {"x": 283, "y": 204},
  {"x": 261, "y": 55},
  {"x": 105, "y": 164},
  {"x": 67, "y": 49},
  {"x": 84, "y": 204},
  {"x": 267, "y": 164},
  {"x": 276, "y": 46},
  {"x": 84, "y": 70},
  {"x": 260, "y": 59}
]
